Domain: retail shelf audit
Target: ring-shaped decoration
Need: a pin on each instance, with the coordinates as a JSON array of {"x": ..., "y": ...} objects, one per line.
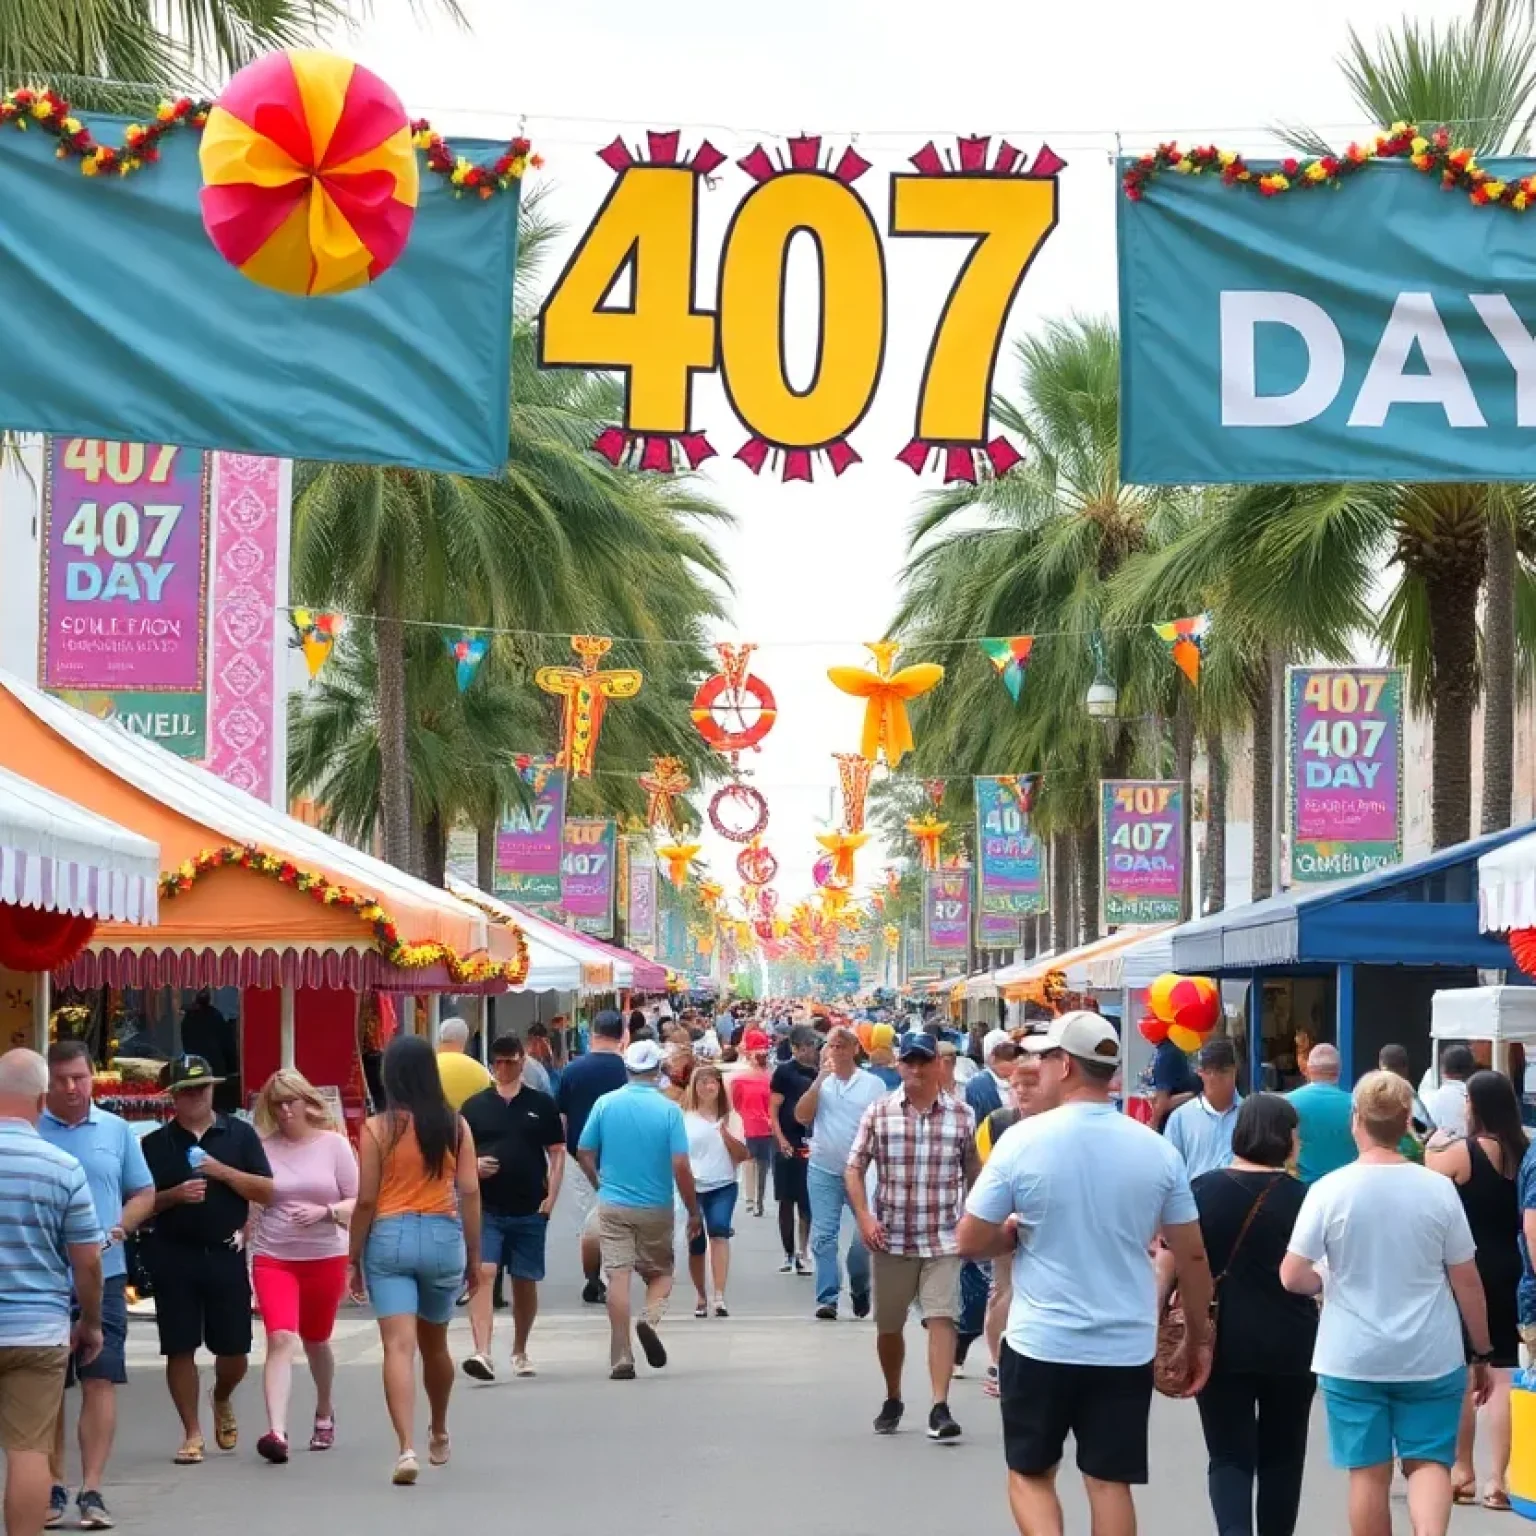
[
  {"x": 822, "y": 874},
  {"x": 717, "y": 703},
  {"x": 739, "y": 795},
  {"x": 756, "y": 866}
]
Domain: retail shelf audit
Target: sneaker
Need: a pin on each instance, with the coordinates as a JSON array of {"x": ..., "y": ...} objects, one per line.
[
  {"x": 94, "y": 1515},
  {"x": 788, "y": 1266},
  {"x": 594, "y": 1292},
  {"x": 58, "y": 1506},
  {"x": 522, "y": 1366},
  {"x": 625, "y": 1372},
  {"x": 888, "y": 1420},
  {"x": 650, "y": 1342},
  {"x": 480, "y": 1367},
  {"x": 801, "y": 1267},
  {"x": 828, "y": 1313},
  {"x": 941, "y": 1423},
  {"x": 861, "y": 1303},
  {"x": 273, "y": 1447}
]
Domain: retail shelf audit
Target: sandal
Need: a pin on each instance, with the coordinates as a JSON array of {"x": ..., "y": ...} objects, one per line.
[
  {"x": 1464, "y": 1493},
  {"x": 191, "y": 1452},
  {"x": 407, "y": 1469},
  {"x": 438, "y": 1449},
  {"x": 1496, "y": 1498},
  {"x": 324, "y": 1435},
  {"x": 226, "y": 1432}
]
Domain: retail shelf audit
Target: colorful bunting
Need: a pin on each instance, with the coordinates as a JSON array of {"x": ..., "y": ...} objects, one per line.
[
  {"x": 586, "y": 693},
  {"x": 1186, "y": 639},
  {"x": 468, "y": 651},
  {"x": 886, "y": 727},
  {"x": 315, "y": 634},
  {"x": 1011, "y": 658}
]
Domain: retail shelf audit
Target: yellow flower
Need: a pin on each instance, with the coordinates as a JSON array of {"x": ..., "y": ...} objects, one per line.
[
  {"x": 422, "y": 140},
  {"x": 1184, "y": 166},
  {"x": 40, "y": 109},
  {"x": 1227, "y": 156},
  {"x": 1494, "y": 189},
  {"x": 165, "y": 112},
  {"x": 71, "y": 125},
  {"x": 1518, "y": 202},
  {"x": 1419, "y": 145},
  {"x": 1397, "y": 130},
  {"x": 88, "y": 167},
  {"x": 1315, "y": 171},
  {"x": 460, "y": 171}
]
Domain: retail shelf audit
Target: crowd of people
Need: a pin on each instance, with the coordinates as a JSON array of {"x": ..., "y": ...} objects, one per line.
[{"x": 1369, "y": 1246}]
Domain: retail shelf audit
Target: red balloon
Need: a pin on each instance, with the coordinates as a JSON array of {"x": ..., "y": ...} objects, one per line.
[{"x": 1153, "y": 1029}]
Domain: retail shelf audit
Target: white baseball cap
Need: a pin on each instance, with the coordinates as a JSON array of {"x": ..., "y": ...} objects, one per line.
[
  {"x": 643, "y": 1056},
  {"x": 1088, "y": 1036},
  {"x": 993, "y": 1039}
]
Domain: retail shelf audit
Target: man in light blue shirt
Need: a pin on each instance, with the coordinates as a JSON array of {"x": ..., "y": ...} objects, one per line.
[
  {"x": 1326, "y": 1113},
  {"x": 123, "y": 1192},
  {"x": 634, "y": 1148},
  {"x": 1200, "y": 1130},
  {"x": 833, "y": 1106}
]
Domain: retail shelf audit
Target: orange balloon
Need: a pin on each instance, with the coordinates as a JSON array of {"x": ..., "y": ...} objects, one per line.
[
  {"x": 1186, "y": 1039},
  {"x": 1194, "y": 1002},
  {"x": 865, "y": 1033}
]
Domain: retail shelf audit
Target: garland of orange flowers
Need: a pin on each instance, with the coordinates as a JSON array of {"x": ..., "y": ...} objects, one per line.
[
  {"x": 1433, "y": 155},
  {"x": 46, "y": 109},
  {"x": 405, "y": 956}
]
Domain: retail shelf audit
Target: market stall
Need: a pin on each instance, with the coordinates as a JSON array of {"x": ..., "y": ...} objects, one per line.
[{"x": 1499, "y": 1017}]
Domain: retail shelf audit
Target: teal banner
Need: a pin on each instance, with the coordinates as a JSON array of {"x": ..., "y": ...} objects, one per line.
[
  {"x": 119, "y": 320},
  {"x": 1378, "y": 330}
]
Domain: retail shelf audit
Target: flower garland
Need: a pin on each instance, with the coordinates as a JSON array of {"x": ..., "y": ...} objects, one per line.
[
  {"x": 404, "y": 956},
  {"x": 1433, "y": 155},
  {"x": 26, "y": 107}
]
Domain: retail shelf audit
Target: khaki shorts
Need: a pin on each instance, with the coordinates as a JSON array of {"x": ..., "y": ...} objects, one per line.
[
  {"x": 901, "y": 1279},
  {"x": 637, "y": 1237},
  {"x": 31, "y": 1394}
]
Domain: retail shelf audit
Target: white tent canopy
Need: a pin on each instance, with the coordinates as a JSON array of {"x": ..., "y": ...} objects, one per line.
[
  {"x": 1506, "y": 886},
  {"x": 1483, "y": 1013},
  {"x": 61, "y": 857}
]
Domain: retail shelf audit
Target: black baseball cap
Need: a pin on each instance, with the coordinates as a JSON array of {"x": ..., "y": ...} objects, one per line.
[
  {"x": 918, "y": 1042},
  {"x": 188, "y": 1072}
]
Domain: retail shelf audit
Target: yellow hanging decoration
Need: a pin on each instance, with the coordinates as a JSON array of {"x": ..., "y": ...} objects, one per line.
[
  {"x": 586, "y": 693},
  {"x": 928, "y": 831},
  {"x": 662, "y": 785},
  {"x": 853, "y": 774},
  {"x": 886, "y": 727},
  {"x": 842, "y": 846},
  {"x": 891, "y": 934},
  {"x": 677, "y": 857}
]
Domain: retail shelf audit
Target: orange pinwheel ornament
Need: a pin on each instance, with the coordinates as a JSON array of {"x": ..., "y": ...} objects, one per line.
[{"x": 887, "y": 730}]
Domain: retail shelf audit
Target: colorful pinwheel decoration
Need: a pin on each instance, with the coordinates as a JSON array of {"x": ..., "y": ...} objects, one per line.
[
  {"x": 315, "y": 635},
  {"x": 467, "y": 651},
  {"x": 1185, "y": 639},
  {"x": 1011, "y": 658},
  {"x": 887, "y": 731}
]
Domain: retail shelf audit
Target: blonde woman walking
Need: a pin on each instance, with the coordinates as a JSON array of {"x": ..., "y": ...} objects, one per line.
[{"x": 714, "y": 1155}]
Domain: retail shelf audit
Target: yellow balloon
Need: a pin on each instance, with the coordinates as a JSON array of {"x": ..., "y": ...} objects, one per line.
[
  {"x": 881, "y": 1034},
  {"x": 1186, "y": 1039}
]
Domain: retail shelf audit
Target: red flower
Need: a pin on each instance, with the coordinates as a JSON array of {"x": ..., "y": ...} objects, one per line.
[
  {"x": 520, "y": 146},
  {"x": 1330, "y": 165},
  {"x": 1442, "y": 138},
  {"x": 1290, "y": 165}
]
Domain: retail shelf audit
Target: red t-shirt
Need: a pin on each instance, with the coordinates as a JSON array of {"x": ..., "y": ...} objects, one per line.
[{"x": 749, "y": 1098}]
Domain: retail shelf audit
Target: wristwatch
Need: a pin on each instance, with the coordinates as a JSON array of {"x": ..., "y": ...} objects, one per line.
[{"x": 1482, "y": 1357}]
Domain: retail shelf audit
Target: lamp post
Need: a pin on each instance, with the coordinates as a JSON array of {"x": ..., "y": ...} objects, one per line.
[{"x": 1103, "y": 698}]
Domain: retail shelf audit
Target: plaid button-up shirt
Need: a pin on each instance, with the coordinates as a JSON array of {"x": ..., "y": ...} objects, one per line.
[{"x": 920, "y": 1158}]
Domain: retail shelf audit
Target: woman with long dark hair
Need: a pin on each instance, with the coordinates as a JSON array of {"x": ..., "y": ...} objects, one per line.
[
  {"x": 417, "y": 1218},
  {"x": 1485, "y": 1166}
]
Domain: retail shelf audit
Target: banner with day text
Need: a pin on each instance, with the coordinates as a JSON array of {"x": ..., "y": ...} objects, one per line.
[
  {"x": 588, "y": 874},
  {"x": 1141, "y": 842},
  {"x": 528, "y": 842},
  {"x": 1011, "y": 877},
  {"x": 1344, "y": 728},
  {"x": 946, "y": 912},
  {"x": 640, "y": 919}
]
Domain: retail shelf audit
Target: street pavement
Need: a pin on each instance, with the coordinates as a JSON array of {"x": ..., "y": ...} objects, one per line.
[{"x": 759, "y": 1425}]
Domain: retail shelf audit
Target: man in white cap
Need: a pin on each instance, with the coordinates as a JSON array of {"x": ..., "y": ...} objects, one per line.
[
  {"x": 989, "y": 1090},
  {"x": 1077, "y": 1197},
  {"x": 633, "y": 1148}
]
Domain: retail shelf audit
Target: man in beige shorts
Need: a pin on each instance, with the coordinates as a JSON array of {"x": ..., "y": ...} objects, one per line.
[{"x": 921, "y": 1141}]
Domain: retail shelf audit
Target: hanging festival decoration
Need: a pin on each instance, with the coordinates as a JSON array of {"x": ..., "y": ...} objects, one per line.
[
  {"x": 315, "y": 635},
  {"x": 310, "y": 180},
  {"x": 853, "y": 774},
  {"x": 734, "y": 710},
  {"x": 662, "y": 785},
  {"x": 891, "y": 934},
  {"x": 841, "y": 848},
  {"x": 1022, "y": 787},
  {"x": 928, "y": 832},
  {"x": 749, "y": 812},
  {"x": 1186, "y": 639},
  {"x": 756, "y": 864},
  {"x": 38, "y": 939},
  {"x": 887, "y": 731},
  {"x": 586, "y": 692},
  {"x": 467, "y": 651},
  {"x": 677, "y": 857},
  {"x": 934, "y": 789},
  {"x": 1011, "y": 658},
  {"x": 822, "y": 871}
]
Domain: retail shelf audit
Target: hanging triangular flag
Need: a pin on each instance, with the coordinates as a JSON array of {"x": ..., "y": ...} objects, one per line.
[
  {"x": 314, "y": 634},
  {"x": 1186, "y": 639},
  {"x": 468, "y": 651},
  {"x": 1011, "y": 658}
]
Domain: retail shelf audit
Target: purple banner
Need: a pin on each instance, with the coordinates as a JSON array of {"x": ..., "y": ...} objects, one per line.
[
  {"x": 528, "y": 843},
  {"x": 125, "y": 545},
  {"x": 587, "y": 866},
  {"x": 1141, "y": 839},
  {"x": 993, "y": 932},
  {"x": 1346, "y": 761},
  {"x": 641, "y": 927},
  {"x": 946, "y": 911}
]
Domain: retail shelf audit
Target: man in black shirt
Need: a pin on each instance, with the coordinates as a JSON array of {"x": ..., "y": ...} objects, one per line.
[
  {"x": 521, "y": 1149},
  {"x": 790, "y": 1080},
  {"x": 208, "y": 1170},
  {"x": 584, "y": 1081}
]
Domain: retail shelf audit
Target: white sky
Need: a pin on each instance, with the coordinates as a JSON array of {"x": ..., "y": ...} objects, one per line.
[{"x": 820, "y": 563}]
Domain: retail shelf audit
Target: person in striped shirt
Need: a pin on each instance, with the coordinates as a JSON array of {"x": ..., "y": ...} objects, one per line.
[{"x": 50, "y": 1252}]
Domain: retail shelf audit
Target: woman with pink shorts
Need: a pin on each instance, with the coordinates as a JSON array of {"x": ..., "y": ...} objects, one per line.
[{"x": 299, "y": 1268}]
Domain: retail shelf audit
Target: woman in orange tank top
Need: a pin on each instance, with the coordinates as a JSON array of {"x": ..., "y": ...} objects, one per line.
[{"x": 417, "y": 1217}]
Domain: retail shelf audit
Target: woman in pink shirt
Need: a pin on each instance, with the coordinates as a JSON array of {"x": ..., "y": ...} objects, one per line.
[
  {"x": 749, "y": 1098},
  {"x": 300, "y": 1245}
]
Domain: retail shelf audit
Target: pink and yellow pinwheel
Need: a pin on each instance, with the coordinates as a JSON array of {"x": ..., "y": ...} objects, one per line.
[
  {"x": 842, "y": 846},
  {"x": 677, "y": 857},
  {"x": 310, "y": 178},
  {"x": 887, "y": 731}
]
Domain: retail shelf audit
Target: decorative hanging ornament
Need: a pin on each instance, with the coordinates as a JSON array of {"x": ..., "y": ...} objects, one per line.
[
  {"x": 891, "y": 934},
  {"x": 710, "y": 892},
  {"x": 928, "y": 832},
  {"x": 1185, "y": 639},
  {"x": 853, "y": 773},
  {"x": 842, "y": 846},
  {"x": 892, "y": 882},
  {"x": 662, "y": 785},
  {"x": 743, "y": 801},
  {"x": 468, "y": 651},
  {"x": 586, "y": 693},
  {"x": 314, "y": 634},
  {"x": 887, "y": 730},
  {"x": 1022, "y": 787},
  {"x": 1011, "y": 658},
  {"x": 733, "y": 710},
  {"x": 677, "y": 857},
  {"x": 756, "y": 865},
  {"x": 310, "y": 178},
  {"x": 934, "y": 789}
]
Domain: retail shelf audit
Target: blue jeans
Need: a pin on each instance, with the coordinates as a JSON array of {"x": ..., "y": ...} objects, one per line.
[{"x": 829, "y": 1196}]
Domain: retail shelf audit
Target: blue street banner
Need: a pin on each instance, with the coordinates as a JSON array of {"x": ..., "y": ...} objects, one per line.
[
  {"x": 1012, "y": 882},
  {"x": 1379, "y": 330}
]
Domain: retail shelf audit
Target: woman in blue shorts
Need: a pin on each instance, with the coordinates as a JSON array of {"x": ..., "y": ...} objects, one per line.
[{"x": 714, "y": 1155}]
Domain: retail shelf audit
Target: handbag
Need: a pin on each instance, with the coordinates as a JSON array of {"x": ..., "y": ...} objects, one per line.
[{"x": 1170, "y": 1365}]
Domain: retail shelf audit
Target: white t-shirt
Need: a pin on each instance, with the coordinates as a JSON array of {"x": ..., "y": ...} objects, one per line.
[
  {"x": 1388, "y": 1232},
  {"x": 1447, "y": 1107},
  {"x": 1091, "y": 1188},
  {"x": 707, "y": 1154}
]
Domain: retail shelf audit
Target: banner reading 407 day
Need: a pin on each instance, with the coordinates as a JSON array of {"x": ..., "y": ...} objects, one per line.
[
  {"x": 528, "y": 841},
  {"x": 1012, "y": 881},
  {"x": 1345, "y": 731},
  {"x": 946, "y": 912},
  {"x": 1141, "y": 838},
  {"x": 588, "y": 868}
]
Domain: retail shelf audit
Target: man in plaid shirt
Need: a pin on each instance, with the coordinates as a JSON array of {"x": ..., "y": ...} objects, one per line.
[{"x": 922, "y": 1143}]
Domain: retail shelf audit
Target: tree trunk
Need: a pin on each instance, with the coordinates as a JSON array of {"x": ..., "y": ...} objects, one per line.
[
  {"x": 1499, "y": 675},
  {"x": 1184, "y": 772},
  {"x": 1261, "y": 694},
  {"x": 434, "y": 849},
  {"x": 1451, "y": 598},
  {"x": 1087, "y": 884},
  {"x": 394, "y": 767},
  {"x": 485, "y": 857},
  {"x": 1061, "y": 892},
  {"x": 1215, "y": 822}
]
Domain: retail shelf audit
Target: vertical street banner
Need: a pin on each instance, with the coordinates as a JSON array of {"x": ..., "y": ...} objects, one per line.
[
  {"x": 1141, "y": 846},
  {"x": 1344, "y": 728},
  {"x": 1011, "y": 875},
  {"x": 588, "y": 864},
  {"x": 125, "y": 584},
  {"x": 946, "y": 912},
  {"x": 997, "y": 932},
  {"x": 641, "y": 929},
  {"x": 528, "y": 842}
]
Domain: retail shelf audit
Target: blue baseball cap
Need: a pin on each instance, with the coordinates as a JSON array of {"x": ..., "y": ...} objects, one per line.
[{"x": 918, "y": 1042}]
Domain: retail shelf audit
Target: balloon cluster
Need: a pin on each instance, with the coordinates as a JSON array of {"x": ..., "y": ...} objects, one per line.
[{"x": 1183, "y": 1009}]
